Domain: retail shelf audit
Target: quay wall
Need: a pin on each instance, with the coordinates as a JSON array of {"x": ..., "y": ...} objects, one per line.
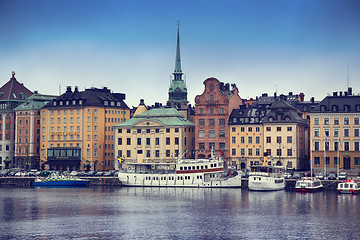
[{"x": 29, "y": 181}]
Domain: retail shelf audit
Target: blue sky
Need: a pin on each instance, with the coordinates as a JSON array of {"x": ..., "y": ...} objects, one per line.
[{"x": 129, "y": 46}]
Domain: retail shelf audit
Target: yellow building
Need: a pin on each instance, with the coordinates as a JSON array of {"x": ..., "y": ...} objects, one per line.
[
  {"x": 77, "y": 129},
  {"x": 157, "y": 135}
]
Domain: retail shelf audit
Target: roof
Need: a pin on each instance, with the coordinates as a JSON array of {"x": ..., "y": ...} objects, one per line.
[
  {"x": 165, "y": 116},
  {"x": 35, "y": 101},
  {"x": 14, "y": 91},
  {"x": 339, "y": 104}
]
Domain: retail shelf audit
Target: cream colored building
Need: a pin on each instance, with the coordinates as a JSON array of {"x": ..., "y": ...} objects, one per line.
[{"x": 157, "y": 135}]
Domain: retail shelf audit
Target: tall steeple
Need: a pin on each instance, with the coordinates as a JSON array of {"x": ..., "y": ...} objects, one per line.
[{"x": 177, "y": 89}]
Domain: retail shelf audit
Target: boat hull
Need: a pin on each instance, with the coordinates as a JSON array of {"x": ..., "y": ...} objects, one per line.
[
  {"x": 69, "y": 183},
  {"x": 308, "y": 190},
  {"x": 264, "y": 183},
  {"x": 171, "y": 180}
]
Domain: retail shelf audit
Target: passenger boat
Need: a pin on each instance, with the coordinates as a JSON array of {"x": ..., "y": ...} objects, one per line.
[
  {"x": 349, "y": 186},
  {"x": 200, "y": 173},
  {"x": 266, "y": 178},
  {"x": 308, "y": 185},
  {"x": 57, "y": 180}
]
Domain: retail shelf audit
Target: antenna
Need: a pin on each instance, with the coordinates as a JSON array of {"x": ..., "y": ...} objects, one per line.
[
  {"x": 276, "y": 88},
  {"x": 348, "y": 81}
]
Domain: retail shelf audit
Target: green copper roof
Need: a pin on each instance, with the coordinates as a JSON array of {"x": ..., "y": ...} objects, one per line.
[
  {"x": 35, "y": 101},
  {"x": 165, "y": 116}
]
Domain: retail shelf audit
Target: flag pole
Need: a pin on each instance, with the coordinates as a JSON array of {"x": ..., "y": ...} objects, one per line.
[
  {"x": 311, "y": 161},
  {"x": 325, "y": 154}
]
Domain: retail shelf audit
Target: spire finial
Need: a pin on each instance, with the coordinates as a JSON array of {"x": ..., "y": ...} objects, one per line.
[
  {"x": 178, "y": 60},
  {"x": 13, "y": 73}
]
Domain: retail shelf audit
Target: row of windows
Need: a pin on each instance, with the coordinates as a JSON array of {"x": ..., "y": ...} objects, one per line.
[
  {"x": 148, "y": 141},
  {"x": 336, "y": 121},
  {"x": 250, "y": 139},
  {"x": 211, "y": 111},
  {"x": 168, "y": 153},
  {"x": 211, "y": 146},
  {"x": 279, "y": 139},
  {"x": 335, "y": 146},
  {"x": 243, "y": 153},
  {"x": 249, "y": 129},
  {"x": 198, "y": 167},
  {"x": 335, "y": 160},
  {"x": 171, "y": 178},
  {"x": 211, "y": 133},
  {"x": 212, "y": 122},
  {"x": 78, "y": 111},
  {"x": 346, "y": 132},
  {"x": 336, "y": 108},
  {"x": 157, "y": 130}
]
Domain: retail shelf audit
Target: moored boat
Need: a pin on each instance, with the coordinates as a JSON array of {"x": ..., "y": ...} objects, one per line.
[
  {"x": 57, "y": 180},
  {"x": 266, "y": 178},
  {"x": 308, "y": 185},
  {"x": 349, "y": 187},
  {"x": 201, "y": 173}
]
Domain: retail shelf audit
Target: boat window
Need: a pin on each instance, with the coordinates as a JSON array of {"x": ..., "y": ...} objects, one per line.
[
  {"x": 351, "y": 185},
  {"x": 157, "y": 178},
  {"x": 181, "y": 168},
  {"x": 193, "y": 167},
  {"x": 200, "y": 177},
  {"x": 206, "y": 166},
  {"x": 346, "y": 185},
  {"x": 211, "y": 165},
  {"x": 202, "y": 167},
  {"x": 197, "y": 167},
  {"x": 214, "y": 164},
  {"x": 153, "y": 178},
  {"x": 185, "y": 168}
]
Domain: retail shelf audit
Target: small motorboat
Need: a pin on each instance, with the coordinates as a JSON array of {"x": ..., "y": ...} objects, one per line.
[
  {"x": 59, "y": 180},
  {"x": 349, "y": 187},
  {"x": 308, "y": 185}
]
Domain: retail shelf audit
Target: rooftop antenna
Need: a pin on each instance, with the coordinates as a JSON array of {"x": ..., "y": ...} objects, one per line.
[
  {"x": 348, "y": 81},
  {"x": 276, "y": 88}
]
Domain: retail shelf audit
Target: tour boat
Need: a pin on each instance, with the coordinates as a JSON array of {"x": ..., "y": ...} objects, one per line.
[
  {"x": 308, "y": 185},
  {"x": 349, "y": 186},
  {"x": 200, "y": 173},
  {"x": 57, "y": 180},
  {"x": 266, "y": 178}
]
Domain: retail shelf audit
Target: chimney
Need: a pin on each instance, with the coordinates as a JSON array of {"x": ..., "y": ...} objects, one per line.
[
  {"x": 349, "y": 91},
  {"x": 76, "y": 89},
  {"x": 340, "y": 94},
  {"x": 68, "y": 89},
  {"x": 312, "y": 99},
  {"x": 335, "y": 94},
  {"x": 290, "y": 93},
  {"x": 302, "y": 97},
  {"x": 274, "y": 95}
]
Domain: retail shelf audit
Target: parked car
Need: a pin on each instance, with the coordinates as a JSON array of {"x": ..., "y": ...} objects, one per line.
[
  {"x": 320, "y": 175},
  {"x": 99, "y": 174},
  {"x": 109, "y": 173},
  {"x": 343, "y": 176},
  {"x": 287, "y": 175},
  {"x": 297, "y": 175},
  {"x": 332, "y": 176},
  {"x": 90, "y": 174}
]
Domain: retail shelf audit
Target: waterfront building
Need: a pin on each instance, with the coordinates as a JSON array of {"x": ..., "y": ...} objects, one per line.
[
  {"x": 77, "y": 129},
  {"x": 285, "y": 136},
  {"x": 157, "y": 135},
  {"x": 27, "y": 136},
  {"x": 212, "y": 110},
  {"x": 246, "y": 136},
  {"x": 335, "y": 128},
  {"x": 12, "y": 94}
]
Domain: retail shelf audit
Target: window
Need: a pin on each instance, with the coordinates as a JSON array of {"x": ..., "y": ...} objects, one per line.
[
  {"x": 249, "y": 129},
  {"x": 128, "y": 153},
  {"x": 212, "y": 133},
  {"x": 316, "y": 132},
  {"x": 128, "y": 141},
  {"x": 233, "y": 139},
  {"x": 278, "y": 152},
  {"x": 326, "y": 132},
  {"x": 278, "y": 139},
  {"x": 222, "y": 146},
  {"x": 316, "y": 146},
  {"x": 242, "y": 139},
  {"x": 201, "y": 122},
  {"x": 211, "y": 145},
  {"x": 346, "y": 121},
  {"x": 157, "y": 141},
  {"x": 289, "y": 129},
  {"x": 336, "y": 132},
  {"x": 201, "y": 146},
  {"x": 167, "y": 153},
  {"x": 257, "y": 151},
  {"x": 201, "y": 133},
  {"x": 336, "y": 146},
  {"x": 211, "y": 111},
  {"x": 222, "y": 122},
  {"x": 316, "y": 160},
  {"x": 211, "y": 122},
  {"x": 233, "y": 151},
  {"x": 250, "y": 152},
  {"x": 257, "y": 140},
  {"x": 167, "y": 141},
  {"x": 242, "y": 151},
  {"x": 201, "y": 111},
  {"x": 316, "y": 121},
  {"x": 268, "y": 139},
  {"x": 278, "y": 129},
  {"x": 327, "y": 146},
  {"x": 326, "y": 121},
  {"x": 356, "y": 146},
  {"x": 250, "y": 140},
  {"x": 346, "y": 132},
  {"x": 289, "y": 139},
  {"x": 233, "y": 129},
  {"x": 356, "y": 121},
  {"x": 336, "y": 121},
  {"x": 346, "y": 146},
  {"x": 222, "y": 133},
  {"x": 289, "y": 152},
  {"x": 157, "y": 153},
  {"x": 222, "y": 111},
  {"x": 356, "y": 132},
  {"x": 268, "y": 152},
  {"x": 336, "y": 162},
  {"x": 176, "y": 141},
  {"x": 268, "y": 129},
  {"x": 357, "y": 160}
]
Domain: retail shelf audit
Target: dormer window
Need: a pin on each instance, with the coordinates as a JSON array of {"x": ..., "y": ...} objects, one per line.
[
  {"x": 323, "y": 108},
  {"x": 61, "y": 103},
  {"x": 106, "y": 103},
  {"x": 346, "y": 108},
  {"x": 74, "y": 102},
  {"x": 334, "y": 108}
]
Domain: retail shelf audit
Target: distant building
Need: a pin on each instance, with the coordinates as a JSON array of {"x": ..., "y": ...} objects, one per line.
[
  {"x": 27, "y": 137},
  {"x": 157, "y": 135},
  {"x": 77, "y": 129},
  {"x": 335, "y": 133},
  {"x": 212, "y": 110},
  {"x": 12, "y": 94}
]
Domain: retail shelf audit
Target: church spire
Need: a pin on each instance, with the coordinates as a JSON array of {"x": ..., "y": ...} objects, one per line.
[{"x": 178, "y": 60}]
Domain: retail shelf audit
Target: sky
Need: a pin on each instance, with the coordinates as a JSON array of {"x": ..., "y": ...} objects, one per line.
[{"x": 129, "y": 46}]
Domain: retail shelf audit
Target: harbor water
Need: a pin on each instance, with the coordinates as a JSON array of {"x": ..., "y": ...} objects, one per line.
[{"x": 175, "y": 213}]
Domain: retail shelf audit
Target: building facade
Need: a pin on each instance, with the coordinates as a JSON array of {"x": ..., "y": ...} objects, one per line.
[
  {"x": 335, "y": 133},
  {"x": 12, "y": 94},
  {"x": 212, "y": 111},
  {"x": 157, "y": 135},
  {"x": 77, "y": 129},
  {"x": 27, "y": 136}
]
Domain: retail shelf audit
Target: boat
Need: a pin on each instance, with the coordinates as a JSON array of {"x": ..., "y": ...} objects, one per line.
[
  {"x": 308, "y": 185},
  {"x": 199, "y": 173},
  {"x": 349, "y": 187},
  {"x": 59, "y": 180},
  {"x": 266, "y": 178}
]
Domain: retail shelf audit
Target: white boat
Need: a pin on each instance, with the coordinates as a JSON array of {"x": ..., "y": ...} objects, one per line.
[
  {"x": 349, "y": 186},
  {"x": 266, "y": 178},
  {"x": 308, "y": 185},
  {"x": 201, "y": 173}
]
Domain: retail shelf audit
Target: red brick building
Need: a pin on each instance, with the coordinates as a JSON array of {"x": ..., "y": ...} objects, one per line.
[{"x": 212, "y": 110}]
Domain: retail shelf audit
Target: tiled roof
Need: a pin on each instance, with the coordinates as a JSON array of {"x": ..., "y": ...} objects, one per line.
[
  {"x": 14, "y": 91},
  {"x": 165, "y": 116}
]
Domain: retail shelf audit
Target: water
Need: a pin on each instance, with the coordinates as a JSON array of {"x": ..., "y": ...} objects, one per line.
[{"x": 167, "y": 213}]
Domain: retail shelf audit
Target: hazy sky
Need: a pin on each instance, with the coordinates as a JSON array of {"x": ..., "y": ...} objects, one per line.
[{"x": 129, "y": 46}]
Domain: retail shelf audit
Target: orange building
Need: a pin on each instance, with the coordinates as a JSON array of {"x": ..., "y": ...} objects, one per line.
[
  {"x": 77, "y": 129},
  {"x": 212, "y": 110}
]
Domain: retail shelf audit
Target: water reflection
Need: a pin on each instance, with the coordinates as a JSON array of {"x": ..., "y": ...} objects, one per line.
[{"x": 175, "y": 213}]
